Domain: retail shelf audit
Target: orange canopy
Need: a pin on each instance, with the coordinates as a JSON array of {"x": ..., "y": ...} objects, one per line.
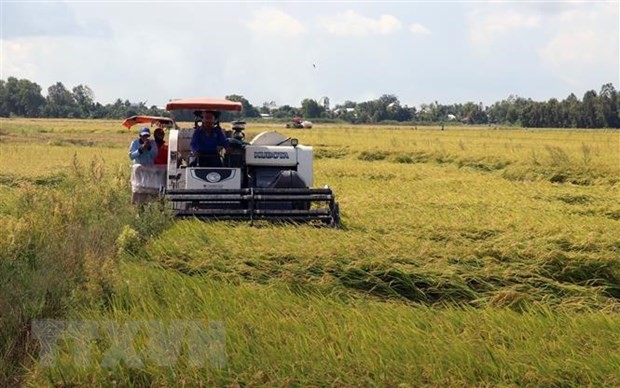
[
  {"x": 133, "y": 120},
  {"x": 206, "y": 104}
]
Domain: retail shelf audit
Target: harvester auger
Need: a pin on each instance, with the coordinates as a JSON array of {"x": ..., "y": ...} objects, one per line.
[{"x": 268, "y": 178}]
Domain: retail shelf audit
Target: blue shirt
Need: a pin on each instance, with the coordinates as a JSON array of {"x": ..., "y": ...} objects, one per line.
[
  {"x": 144, "y": 157},
  {"x": 207, "y": 143}
]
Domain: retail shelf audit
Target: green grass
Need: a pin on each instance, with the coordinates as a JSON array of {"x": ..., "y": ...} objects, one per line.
[
  {"x": 282, "y": 336},
  {"x": 471, "y": 256}
]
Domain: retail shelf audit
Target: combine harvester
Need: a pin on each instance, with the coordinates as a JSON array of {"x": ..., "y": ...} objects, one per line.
[
  {"x": 299, "y": 123},
  {"x": 269, "y": 178}
]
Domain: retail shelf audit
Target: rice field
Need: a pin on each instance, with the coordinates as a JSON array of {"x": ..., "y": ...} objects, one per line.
[{"x": 474, "y": 255}]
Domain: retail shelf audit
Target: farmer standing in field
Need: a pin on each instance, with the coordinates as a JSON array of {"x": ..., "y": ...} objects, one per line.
[
  {"x": 162, "y": 146},
  {"x": 145, "y": 182},
  {"x": 142, "y": 150}
]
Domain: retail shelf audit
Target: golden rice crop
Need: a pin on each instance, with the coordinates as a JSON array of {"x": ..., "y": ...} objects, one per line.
[{"x": 471, "y": 256}]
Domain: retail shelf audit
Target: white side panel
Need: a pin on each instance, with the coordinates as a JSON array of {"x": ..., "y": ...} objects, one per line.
[
  {"x": 212, "y": 178},
  {"x": 269, "y": 139},
  {"x": 276, "y": 156},
  {"x": 178, "y": 156},
  {"x": 148, "y": 179},
  {"x": 305, "y": 164},
  {"x": 172, "y": 159}
]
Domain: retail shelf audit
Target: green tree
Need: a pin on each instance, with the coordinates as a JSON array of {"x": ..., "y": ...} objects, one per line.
[
  {"x": 553, "y": 113},
  {"x": 155, "y": 111},
  {"x": 592, "y": 114},
  {"x": 311, "y": 109},
  {"x": 286, "y": 112},
  {"x": 473, "y": 113},
  {"x": 248, "y": 109},
  {"x": 346, "y": 111},
  {"x": 21, "y": 98},
  {"x": 60, "y": 102},
  {"x": 398, "y": 113},
  {"x": 29, "y": 98},
  {"x": 99, "y": 111},
  {"x": 4, "y": 111},
  {"x": 120, "y": 109},
  {"x": 609, "y": 105},
  {"x": 532, "y": 115},
  {"x": 571, "y": 111},
  {"x": 386, "y": 107},
  {"x": 85, "y": 100},
  {"x": 9, "y": 102},
  {"x": 268, "y": 107},
  {"x": 425, "y": 113}
]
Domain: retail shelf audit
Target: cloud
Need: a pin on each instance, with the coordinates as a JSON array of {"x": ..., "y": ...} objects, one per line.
[
  {"x": 46, "y": 19},
  {"x": 418, "y": 29},
  {"x": 487, "y": 25},
  {"x": 169, "y": 50},
  {"x": 584, "y": 45},
  {"x": 351, "y": 23},
  {"x": 20, "y": 64},
  {"x": 274, "y": 22}
]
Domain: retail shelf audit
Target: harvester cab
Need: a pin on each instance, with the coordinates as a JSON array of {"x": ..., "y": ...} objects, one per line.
[{"x": 269, "y": 177}]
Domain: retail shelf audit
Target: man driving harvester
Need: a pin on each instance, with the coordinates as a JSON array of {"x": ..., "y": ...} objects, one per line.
[{"x": 207, "y": 141}]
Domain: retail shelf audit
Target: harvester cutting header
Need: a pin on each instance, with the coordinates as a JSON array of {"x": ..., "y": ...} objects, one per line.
[{"x": 269, "y": 177}]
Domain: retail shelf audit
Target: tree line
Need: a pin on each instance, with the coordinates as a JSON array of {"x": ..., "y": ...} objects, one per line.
[{"x": 21, "y": 97}]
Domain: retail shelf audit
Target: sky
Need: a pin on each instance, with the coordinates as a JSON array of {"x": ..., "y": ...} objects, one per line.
[{"x": 286, "y": 51}]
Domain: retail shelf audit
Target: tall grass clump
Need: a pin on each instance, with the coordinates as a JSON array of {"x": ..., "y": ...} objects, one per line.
[
  {"x": 57, "y": 246},
  {"x": 557, "y": 156},
  {"x": 586, "y": 152}
]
